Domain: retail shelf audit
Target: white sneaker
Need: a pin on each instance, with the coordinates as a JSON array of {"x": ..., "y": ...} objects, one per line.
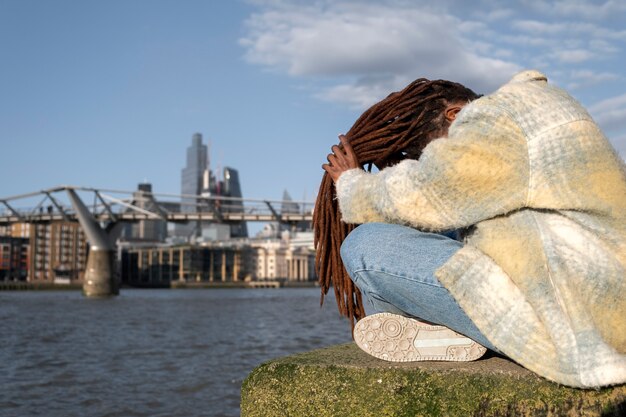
[{"x": 401, "y": 339}]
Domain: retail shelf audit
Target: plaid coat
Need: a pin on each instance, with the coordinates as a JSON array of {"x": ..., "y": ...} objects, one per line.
[{"x": 542, "y": 271}]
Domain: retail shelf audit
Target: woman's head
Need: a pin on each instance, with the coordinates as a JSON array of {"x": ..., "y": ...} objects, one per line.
[
  {"x": 402, "y": 124},
  {"x": 396, "y": 128}
]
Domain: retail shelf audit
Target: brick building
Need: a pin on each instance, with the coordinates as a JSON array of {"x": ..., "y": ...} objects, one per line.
[
  {"x": 13, "y": 258},
  {"x": 58, "y": 252}
]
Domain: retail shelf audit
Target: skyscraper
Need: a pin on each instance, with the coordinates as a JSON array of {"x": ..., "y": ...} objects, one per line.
[
  {"x": 145, "y": 230},
  {"x": 197, "y": 179},
  {"x": 232, "y": 188},
  {"x": 191, "y": 184}
]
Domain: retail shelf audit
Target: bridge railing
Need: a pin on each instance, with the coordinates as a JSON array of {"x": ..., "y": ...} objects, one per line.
[{"x": 119, "y": 205}]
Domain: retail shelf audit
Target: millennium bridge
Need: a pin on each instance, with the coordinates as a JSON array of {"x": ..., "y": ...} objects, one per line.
[
  {"x": 101, "y": 212},
  {"x": 60, "y": 203}
]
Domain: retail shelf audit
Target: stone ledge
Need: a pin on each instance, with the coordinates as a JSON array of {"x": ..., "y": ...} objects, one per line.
[{"x": 343, "y": 381}]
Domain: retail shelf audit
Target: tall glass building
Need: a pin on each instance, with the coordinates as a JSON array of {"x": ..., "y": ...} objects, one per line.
[
  {"x": 191, "y": 184},
  {"x": 198, "y": 180},
  {"x": 232, "y": 188}
]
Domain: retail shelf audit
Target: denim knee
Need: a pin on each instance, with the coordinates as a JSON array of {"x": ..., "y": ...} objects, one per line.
[{"x": 355, "y": 246}]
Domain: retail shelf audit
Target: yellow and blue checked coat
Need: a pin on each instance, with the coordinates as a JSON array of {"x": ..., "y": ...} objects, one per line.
[{"x": 543, "y": 193}]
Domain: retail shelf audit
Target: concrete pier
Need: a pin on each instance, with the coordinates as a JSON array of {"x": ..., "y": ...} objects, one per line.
[
  {"x": 100, "y": 274},
  {"x": 99, "y": 278},
  {"x": 343, "y": 381}
]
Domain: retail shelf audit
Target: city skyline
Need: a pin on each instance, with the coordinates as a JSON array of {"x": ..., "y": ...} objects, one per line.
[
  {"x": 108, "y": 94},
  {"x": 200, "y": 178}
]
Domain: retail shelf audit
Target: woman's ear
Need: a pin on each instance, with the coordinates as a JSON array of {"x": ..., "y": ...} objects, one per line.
[{"x": 451, "y": 112}]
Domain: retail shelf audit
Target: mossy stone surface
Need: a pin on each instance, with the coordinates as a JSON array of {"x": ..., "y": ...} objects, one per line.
[{"x": 344, "y": 381}]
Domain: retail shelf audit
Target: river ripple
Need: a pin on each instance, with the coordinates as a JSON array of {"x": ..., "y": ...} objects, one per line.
[{"x": 150, "y": 352}]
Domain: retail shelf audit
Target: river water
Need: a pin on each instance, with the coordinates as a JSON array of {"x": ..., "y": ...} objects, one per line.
[{"x": 150, "y": 352}]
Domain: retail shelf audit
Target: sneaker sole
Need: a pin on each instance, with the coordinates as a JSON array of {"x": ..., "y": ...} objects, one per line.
[{"x": 401, "y": 339}]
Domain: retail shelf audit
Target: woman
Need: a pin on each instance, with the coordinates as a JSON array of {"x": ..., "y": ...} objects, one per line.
[{"x": 540, "y": 195}]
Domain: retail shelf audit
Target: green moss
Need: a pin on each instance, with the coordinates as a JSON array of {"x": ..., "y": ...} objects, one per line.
[{"x": 343, "y": 381}]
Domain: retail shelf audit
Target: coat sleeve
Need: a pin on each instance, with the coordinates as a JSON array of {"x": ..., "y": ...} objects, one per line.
[{"x": 480, "y": 171}]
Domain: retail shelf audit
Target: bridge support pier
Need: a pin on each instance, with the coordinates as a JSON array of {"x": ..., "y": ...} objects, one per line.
[
  {"x": 100, "y": 280},
  {"x": 100, "y": 274}
]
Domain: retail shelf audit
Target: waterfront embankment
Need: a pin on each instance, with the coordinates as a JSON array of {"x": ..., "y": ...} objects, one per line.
[
  {"x": 343, "y": 381},
  {"x": 35, "y": 286},
  {"x": 31, "y": 286}
]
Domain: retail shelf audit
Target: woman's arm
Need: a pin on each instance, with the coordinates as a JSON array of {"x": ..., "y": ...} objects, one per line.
[{"x": 480, "y": 171}]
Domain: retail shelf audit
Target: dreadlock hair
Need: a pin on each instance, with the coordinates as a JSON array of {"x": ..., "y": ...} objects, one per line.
[{"x": 398, "y": 127}]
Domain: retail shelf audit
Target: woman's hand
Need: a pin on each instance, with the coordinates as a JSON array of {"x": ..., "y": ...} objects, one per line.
[{"x": 341, "y": 160}]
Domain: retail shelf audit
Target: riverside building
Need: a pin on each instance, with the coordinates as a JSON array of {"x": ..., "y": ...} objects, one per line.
[
  {"x": 290, "y": 258},
  {"x": 13, "y": 258},
  {"x": 57, "y": 253},
  {"x": 54, "y": 253},
  {"x": 162, "y": 265}
]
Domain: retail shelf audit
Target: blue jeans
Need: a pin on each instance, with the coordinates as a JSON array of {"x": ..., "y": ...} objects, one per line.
[{"x": 394, "y": 267}]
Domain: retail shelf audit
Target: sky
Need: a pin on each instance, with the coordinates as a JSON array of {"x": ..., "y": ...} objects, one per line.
[{"x": 108, "y": 94}]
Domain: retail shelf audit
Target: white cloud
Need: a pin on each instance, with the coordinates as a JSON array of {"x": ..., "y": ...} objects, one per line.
[
  {"x": 498, "y": 14},
  {"x": 536, "y": 27},
  {"x": 619, "y": 142},
  {"x": 362, "y": 94},
  {"x": 345, "y": 41},
  {"x": 473, "y": 27},
  {"x": 568, "y": 28},
  {"x": 526, "y": 40},
  {"x": 586, "y": 78},
  {"x": 612, "y": 119},
  {"x": 610, "y": 103},
  {"x": 574, "y": 55},
  {"x": 610, "y": 113},
  {"x": 601, "y": 46},
  {"x": 565, "y": 42},
  {"x": 578, "y": 8},
  {"x": 357, "y": 51},
  {"x": 373, "y": 46}
]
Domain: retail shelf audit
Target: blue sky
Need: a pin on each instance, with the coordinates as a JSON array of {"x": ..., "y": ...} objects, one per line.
[{"x": 108, "y": 93}]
